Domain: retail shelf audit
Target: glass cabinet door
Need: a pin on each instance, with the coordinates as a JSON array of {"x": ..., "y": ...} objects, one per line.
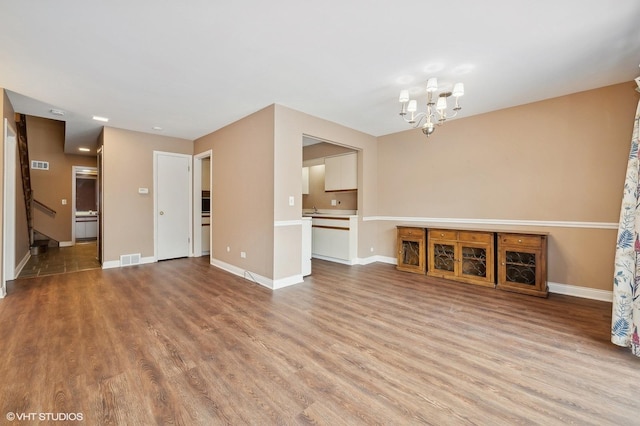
[
  {"x": 473, "y": 260},
  {"x": 410, "y": 253},
  {"x": 520, "y": 267},
  {"x": 444, "y": 257}
]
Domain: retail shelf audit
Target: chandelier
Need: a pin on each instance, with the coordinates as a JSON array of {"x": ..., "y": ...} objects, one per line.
[{"x": 436, "y": 112}]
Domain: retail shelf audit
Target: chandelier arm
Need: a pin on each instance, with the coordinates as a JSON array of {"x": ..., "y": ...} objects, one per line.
[{"x": 417, "y": 119}]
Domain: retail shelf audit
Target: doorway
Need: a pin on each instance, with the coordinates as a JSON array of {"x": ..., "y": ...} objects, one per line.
[
  {"x": 84, "y": 194},
  {"x": 202, "y": 203}
]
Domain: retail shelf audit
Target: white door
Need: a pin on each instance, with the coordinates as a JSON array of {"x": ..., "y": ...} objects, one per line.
[{"x": 172, "y": 205}]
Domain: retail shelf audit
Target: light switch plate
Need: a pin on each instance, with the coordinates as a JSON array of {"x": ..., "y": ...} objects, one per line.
[{"x": 291, "y": 200}]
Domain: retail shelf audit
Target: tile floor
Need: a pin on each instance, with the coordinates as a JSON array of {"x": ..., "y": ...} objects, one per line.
[{"x": 60, "y": 260}]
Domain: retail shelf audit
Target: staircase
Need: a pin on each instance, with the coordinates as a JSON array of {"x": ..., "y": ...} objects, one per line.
[{"x": 38, "y": 243}]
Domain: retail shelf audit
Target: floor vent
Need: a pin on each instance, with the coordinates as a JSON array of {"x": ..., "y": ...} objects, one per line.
[
  {"x": 39, "y": 165},
  {"x": 130, "y": 259}
]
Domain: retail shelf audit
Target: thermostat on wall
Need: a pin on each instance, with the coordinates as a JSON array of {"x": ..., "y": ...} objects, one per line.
[{"x": 143, "y": 190}]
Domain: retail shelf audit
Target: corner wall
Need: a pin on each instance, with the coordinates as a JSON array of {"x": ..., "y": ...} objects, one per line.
[
  {"x": 242, "y": 211},
  {"x": 127, "y": 216},
  {"x": 557, "y": 165}
]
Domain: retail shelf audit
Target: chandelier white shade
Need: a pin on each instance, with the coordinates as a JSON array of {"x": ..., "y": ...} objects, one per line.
[{"x": 436, "y": 110}]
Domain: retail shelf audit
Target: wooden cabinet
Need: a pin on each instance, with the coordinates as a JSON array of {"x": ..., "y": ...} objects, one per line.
[
  {"x": 469, "y": 256},
  {"x": 411, "y": 253},
  {"x": 522, "y": 263},
  {"x": 341, "y": 172},
  {"x": 466, "y": 256}
]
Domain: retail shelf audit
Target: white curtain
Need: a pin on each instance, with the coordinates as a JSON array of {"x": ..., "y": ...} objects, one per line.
[{"x": 625, "y": 320}]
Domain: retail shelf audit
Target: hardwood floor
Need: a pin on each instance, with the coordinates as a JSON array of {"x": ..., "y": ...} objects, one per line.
[{"x": 181, "y": 342}]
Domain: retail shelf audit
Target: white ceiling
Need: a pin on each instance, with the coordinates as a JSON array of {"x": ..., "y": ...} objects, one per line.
[{"x": 193, "y": 67}]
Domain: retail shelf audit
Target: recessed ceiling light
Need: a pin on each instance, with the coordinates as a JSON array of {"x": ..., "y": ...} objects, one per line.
[
  {"x": 98, "y": 118},
  {"x": 84, "y": 149},
  {"x": 56, "y": 111},
  {"x": 157, "y": 128}
]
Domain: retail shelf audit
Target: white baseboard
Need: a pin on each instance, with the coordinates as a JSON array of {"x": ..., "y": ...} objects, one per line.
[
  {"x": 3, "y": 292},
  {"x": 116, "y": 263},
  {"x": 556, "y": 288},
  {"x": 376, "y": 258},
  {"x": 257, "y": 278},
  {"x": 335, "y": 259},
  {"x": 288, "y": 281},
  {"x": 22, "y": 263},
  {"x": 65, "y": 244},
  {"x": 584, "y": 292}
]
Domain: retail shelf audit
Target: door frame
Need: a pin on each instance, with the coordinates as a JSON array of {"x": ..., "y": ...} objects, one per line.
[
  {"x": 197, "y": 205},
  {"x": 75, "y": 170},
  {"x": 156, "y": 154},
  {"x": 10, "y": 142}
]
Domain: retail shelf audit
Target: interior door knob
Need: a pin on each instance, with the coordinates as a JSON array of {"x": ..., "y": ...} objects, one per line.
[{"x": 161, "y": 212}]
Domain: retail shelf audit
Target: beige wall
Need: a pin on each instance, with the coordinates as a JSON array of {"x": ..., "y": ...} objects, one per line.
[
  {"x": 562, "y": 159},
  {"x": 242, "y": 192},
  {"x": 46, "y": 142},
  {"x": 128, "y": 165},
  {"x": 323, "y": 149},
  {"x": 206, "y": 174}
]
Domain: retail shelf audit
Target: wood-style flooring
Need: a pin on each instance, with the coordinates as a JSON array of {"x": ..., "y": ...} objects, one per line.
[{"x": 181, "y": 342}]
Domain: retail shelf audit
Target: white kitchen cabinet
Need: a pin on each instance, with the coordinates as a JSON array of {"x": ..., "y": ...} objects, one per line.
[
  {"x": 92, "y": 229},
  {"x": 341, "y": 172},
  {"x": 206, "y": 234},
  {"x": 86, "y": 227},
  {"x": 305, "y": 180},
  {"x": 306, "y": 246},
  {"x": 335, "y": 239}
]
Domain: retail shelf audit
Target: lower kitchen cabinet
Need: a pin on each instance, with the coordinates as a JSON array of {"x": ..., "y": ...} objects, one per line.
[
  {"x": 86, "y": 227},
  {"x": 206, "y": 234},
  {"x": 335, "y": 238}
]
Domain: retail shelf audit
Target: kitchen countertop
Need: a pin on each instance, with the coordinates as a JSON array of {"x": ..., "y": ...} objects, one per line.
[
  {"x": 329, "y": 213},
  {"x": 90, "y": 213},
  {"x": 328, "y": 216}
]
